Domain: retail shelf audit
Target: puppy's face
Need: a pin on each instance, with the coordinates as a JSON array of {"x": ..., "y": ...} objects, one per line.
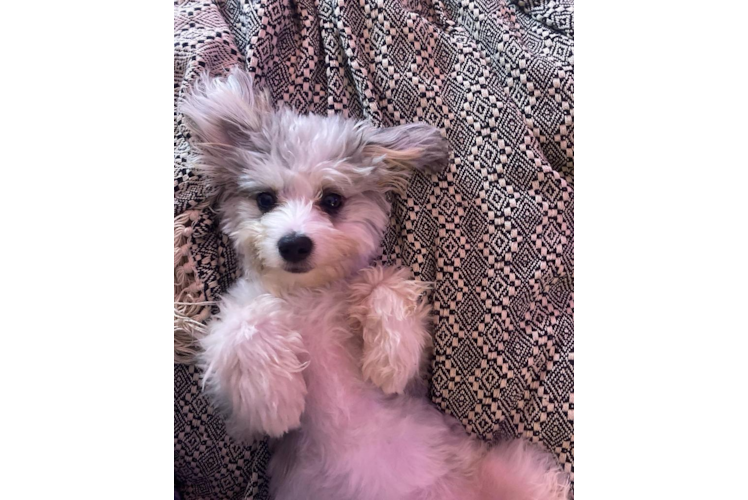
[{"x": 302, "y": 197}]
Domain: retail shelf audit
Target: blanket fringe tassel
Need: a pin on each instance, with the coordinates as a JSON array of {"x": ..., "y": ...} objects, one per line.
[{"x": 190, "y": 307}]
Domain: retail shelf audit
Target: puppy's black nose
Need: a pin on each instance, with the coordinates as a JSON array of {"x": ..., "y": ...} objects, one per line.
[{"x": 295, "y": 248}]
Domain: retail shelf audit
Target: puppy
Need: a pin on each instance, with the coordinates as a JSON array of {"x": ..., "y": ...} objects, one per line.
[{"x": 314, "y": 346}]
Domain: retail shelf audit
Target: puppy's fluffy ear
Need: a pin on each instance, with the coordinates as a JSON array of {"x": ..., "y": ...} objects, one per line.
[
  {"x": 226, "y": 117},
  {"x": 403, "y": 149}
]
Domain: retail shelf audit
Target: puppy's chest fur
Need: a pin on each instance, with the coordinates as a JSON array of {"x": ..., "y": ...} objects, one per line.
[
  {"x": 321, "y": 317},
  {"x": 333, "y": 376}
]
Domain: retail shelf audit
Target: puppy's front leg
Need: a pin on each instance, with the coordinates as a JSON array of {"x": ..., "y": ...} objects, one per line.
[
  {"x": 387, "y": 306},
  {"x": 252, "y": 363}
]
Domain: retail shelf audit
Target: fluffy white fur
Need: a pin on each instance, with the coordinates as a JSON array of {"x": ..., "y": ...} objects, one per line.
[
  {"x": 384, "y": 303},
  {"x": 329, "y": 355}
]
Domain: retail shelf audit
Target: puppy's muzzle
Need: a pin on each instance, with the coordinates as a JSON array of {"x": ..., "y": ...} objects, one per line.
[{"x": 295, "y": 248}]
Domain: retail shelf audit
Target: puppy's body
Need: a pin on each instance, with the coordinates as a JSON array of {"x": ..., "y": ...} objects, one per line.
[
  {"x": 354, "y": 441},
  {"x": 311, "y": 345}
]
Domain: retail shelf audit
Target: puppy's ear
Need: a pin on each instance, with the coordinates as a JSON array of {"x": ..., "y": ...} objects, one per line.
[
  {"x": 403, "y": 149},
  {"x": 226, "y": 117}
]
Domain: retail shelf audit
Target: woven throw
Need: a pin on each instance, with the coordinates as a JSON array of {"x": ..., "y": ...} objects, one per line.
[{"x": 494, "y": 233}]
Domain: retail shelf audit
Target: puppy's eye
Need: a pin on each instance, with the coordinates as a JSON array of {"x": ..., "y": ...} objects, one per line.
[
  {"x": 331, "y": 202},
  {"x": 266, "y": 201}
]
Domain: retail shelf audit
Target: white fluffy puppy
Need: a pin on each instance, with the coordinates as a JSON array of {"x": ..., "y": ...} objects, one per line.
[{"x": 312, "y": 345}]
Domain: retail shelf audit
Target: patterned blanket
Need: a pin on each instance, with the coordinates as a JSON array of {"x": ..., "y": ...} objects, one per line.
[{"x": 494, "y": 232}]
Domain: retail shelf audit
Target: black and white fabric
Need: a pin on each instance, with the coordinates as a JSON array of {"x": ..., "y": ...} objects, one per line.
[{"x": 494, "y": 233}]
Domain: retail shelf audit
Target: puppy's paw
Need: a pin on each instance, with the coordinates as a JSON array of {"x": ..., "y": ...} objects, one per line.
[
  {"x": 252, "y": 368},
  {"x": 522, "y": 471},
  {"x": 388, "y": 309}
]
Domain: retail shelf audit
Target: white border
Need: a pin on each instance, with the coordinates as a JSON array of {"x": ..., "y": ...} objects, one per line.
[{"x": 660, "y": 238}]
